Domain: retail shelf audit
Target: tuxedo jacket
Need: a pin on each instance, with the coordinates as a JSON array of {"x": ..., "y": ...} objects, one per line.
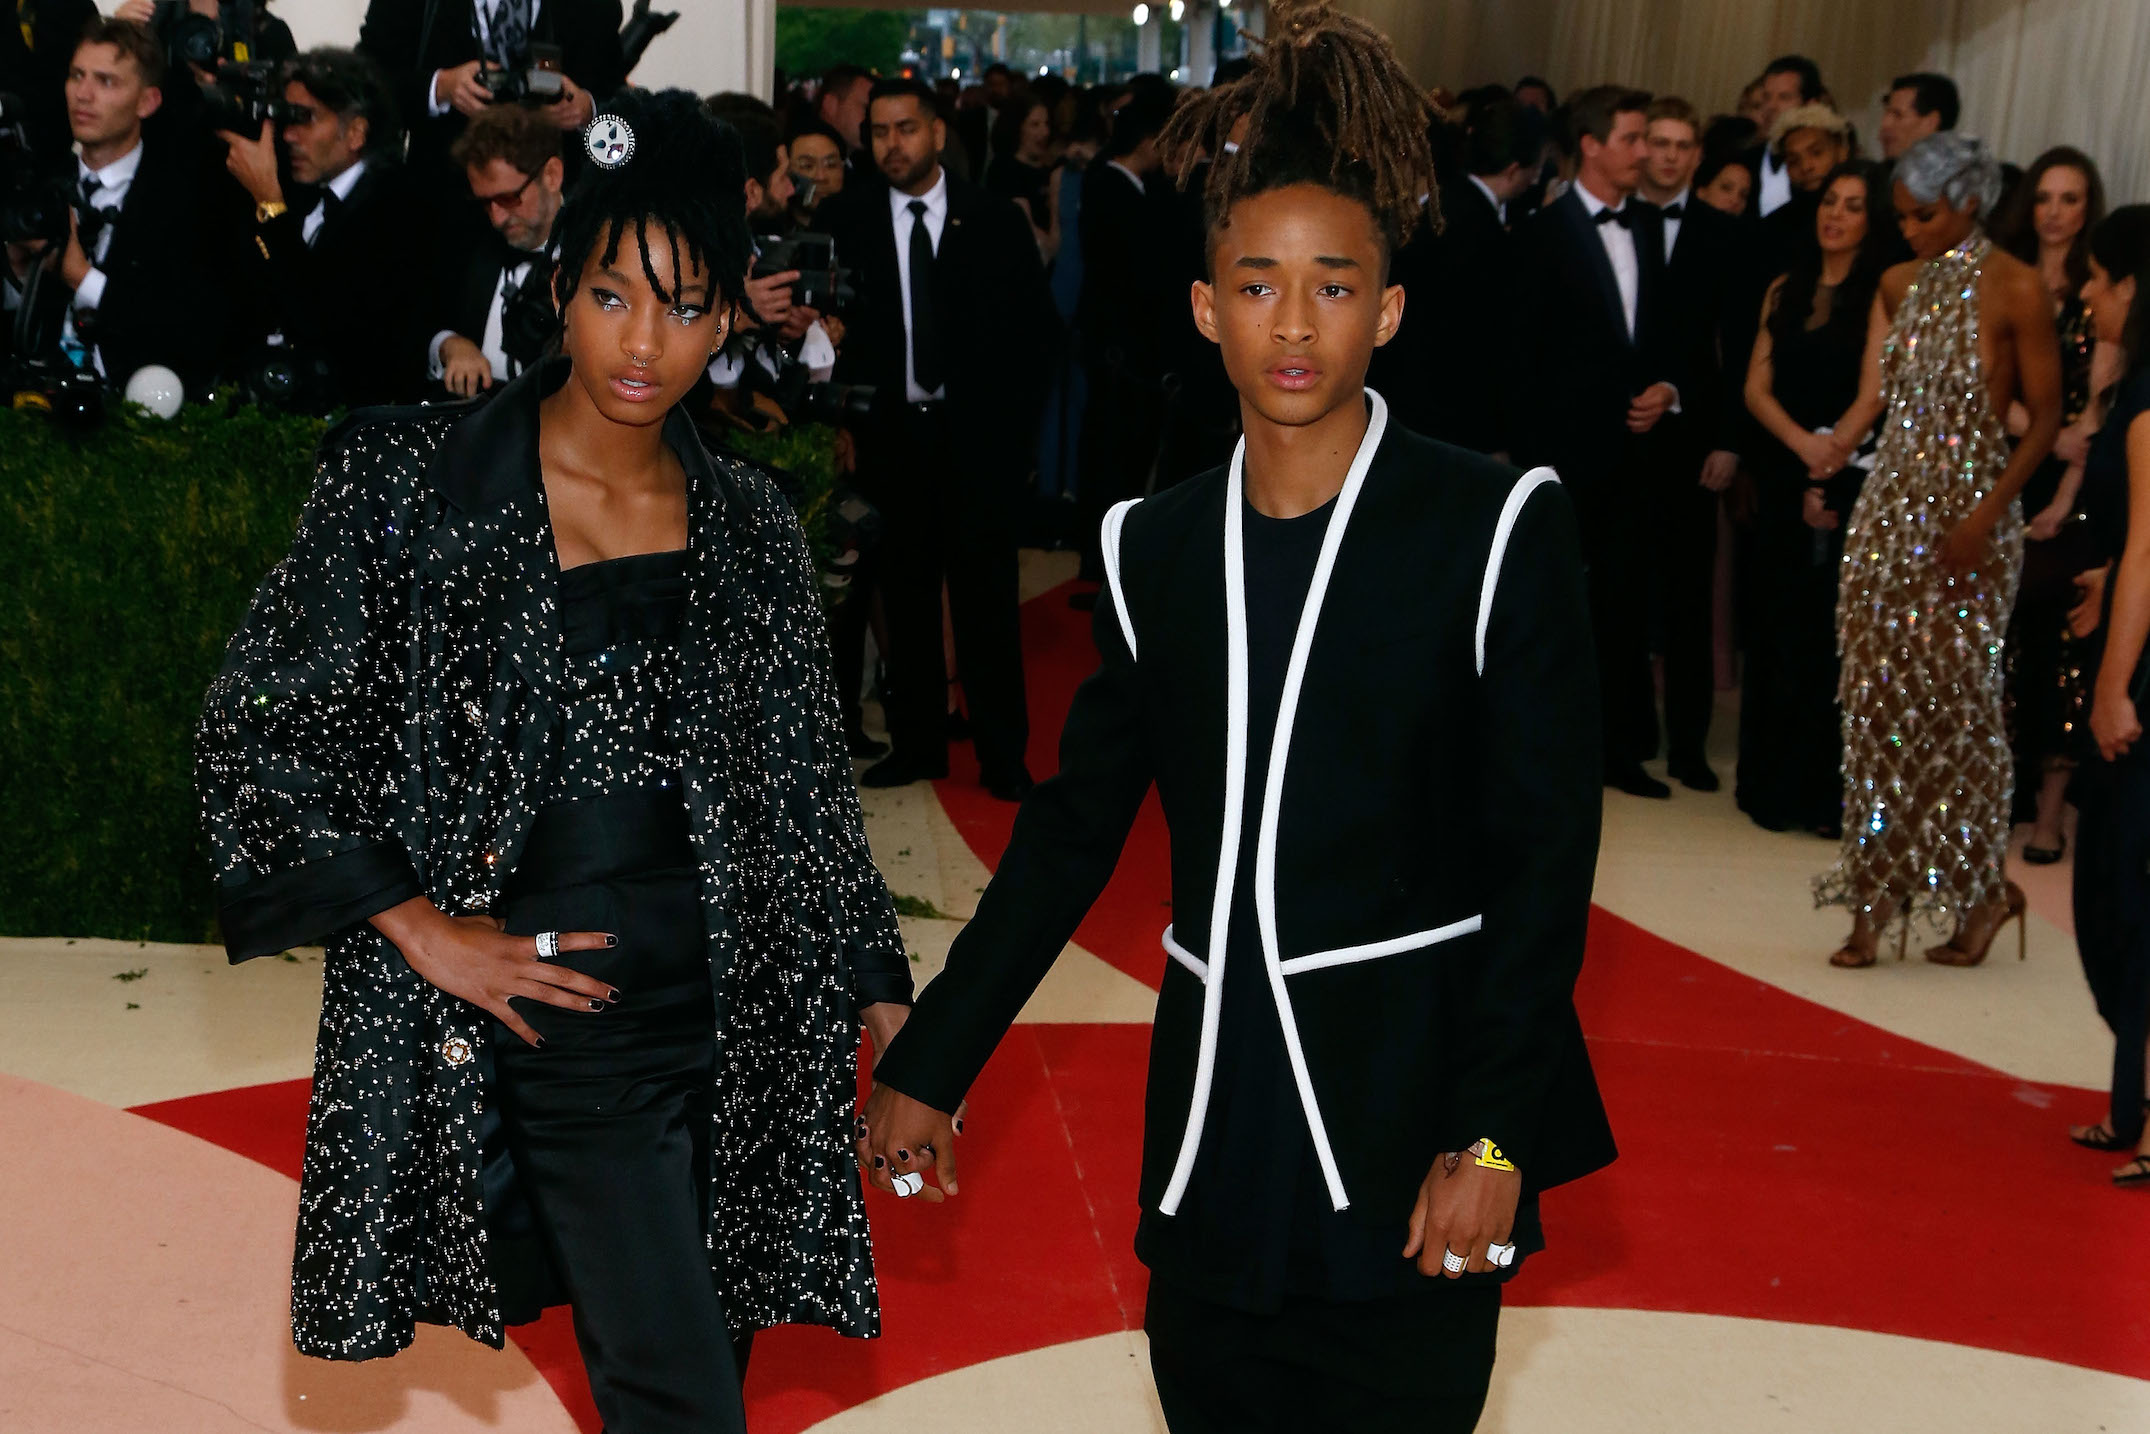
[
  {"x": 1706, "y": 275},
  {"x": 1585, "y": 366},
  {"x": 1458, "y": 291},
  {"x": 152, "y": 310},
  {"x": 1132, "y": 302},
  {"x": 1001, "y": 331},
  {"x": 1426, "y": 836},
  {"x": 467, "y": 280},
  {"x": 394, "y": 34},
  {"x": 356, "y": 297}
]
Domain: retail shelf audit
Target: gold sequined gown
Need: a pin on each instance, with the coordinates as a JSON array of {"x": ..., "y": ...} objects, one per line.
[{"x": 1927, "y": 771}]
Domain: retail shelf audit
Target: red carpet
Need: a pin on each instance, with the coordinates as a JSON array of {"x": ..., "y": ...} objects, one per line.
[{"x": 1780, "y": 1161}]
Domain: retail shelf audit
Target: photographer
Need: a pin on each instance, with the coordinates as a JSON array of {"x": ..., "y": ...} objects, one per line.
[
  {"x": 128, "y": 265},
  {"x": 339, "y": 263},
  {"x": 495, "y": 306},
  {"x": 449, "y": 61},
  {"x": 781, "y": 330}
]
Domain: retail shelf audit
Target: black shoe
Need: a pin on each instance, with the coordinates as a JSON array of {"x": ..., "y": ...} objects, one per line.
[
  {"x": 1083, "y": 601},
  {"x": 1009, "y": 786},
  {"x": 1694, "y": 775},
  {"x": 2045, "y": 855},
  {"x": 1633, "y": 780},
  {"x": 863, "y": 745},
  {"x": 901, "y": 771}
]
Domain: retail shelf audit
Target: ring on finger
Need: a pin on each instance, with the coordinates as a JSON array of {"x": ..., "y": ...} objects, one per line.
[
  {"x": 548, "y": 945},
  {"x": 909, "y": 1184},
  {"x": 1500, "y": 1256},
  {"x": 1453, "y": 1262}
]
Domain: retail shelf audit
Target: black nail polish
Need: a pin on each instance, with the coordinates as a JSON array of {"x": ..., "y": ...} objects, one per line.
[
  {"x": 541, "y": 1043},
  {"x": 597, "y": 1005},
  {"x": 903, "y": 1155},
  {"x": 612, "y": 996},
  {"x": 959, "y": 1127},
  {"x": 879, "y": 1163},
  {"x": 612, "y": 940}
]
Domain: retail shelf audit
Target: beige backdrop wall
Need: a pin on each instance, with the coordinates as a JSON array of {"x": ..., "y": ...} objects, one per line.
[{"x": 2033, "y": 72}]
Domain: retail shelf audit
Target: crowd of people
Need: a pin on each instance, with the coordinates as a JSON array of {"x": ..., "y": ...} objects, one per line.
[{"x": 1882, "y": 396}]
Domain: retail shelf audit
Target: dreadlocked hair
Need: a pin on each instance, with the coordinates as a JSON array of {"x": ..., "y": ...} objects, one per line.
[
  {"x": 1325, "y": 102},
  {"x": 684, "y": 186}
]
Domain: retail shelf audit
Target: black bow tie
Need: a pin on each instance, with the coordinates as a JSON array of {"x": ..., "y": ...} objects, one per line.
[
  {"x": 1673, "y": 211},
  {"x": 1618, "y": 216}
]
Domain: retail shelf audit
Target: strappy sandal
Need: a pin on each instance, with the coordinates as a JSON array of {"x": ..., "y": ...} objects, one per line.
[
  {"x": 2135, "y": 1172},
  {"x": 2099, "y": 1137}
]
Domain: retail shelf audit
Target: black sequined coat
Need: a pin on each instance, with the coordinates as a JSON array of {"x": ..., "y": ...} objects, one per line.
[{"x": 382, "y": 727}]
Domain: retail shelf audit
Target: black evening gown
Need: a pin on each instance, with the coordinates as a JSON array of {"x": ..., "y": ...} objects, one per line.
[
  {"x": 608, "y": 1124},
  {"x": 1790, "y": 730}
]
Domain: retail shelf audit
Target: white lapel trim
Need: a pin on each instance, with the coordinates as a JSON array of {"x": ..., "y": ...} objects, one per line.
[
  {"x": 1110, "y": 541},
  {"x": 1510, "y": 512}
]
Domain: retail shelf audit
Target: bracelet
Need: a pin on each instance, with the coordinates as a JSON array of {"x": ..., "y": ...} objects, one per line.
[{"x": 1489, "y": 1157}]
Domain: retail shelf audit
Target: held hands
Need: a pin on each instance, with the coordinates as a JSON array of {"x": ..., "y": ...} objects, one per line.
[
  {"x": 1652, "y": 404},
  {"x": 2084, "y": 617},
  {"x": 901, "y": 1136},
  {"x": 1462, "y": 1208},
  {"x": 472, "y": 958}
]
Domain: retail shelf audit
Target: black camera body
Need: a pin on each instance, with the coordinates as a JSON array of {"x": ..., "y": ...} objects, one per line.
[
  {"x": 246, "y": 96},
  {"x": 540, "y": 81},
  {"x": 823, "y": 285},
  {"x": 73, "y": 397},
  {"x": 528, "y": 320}
]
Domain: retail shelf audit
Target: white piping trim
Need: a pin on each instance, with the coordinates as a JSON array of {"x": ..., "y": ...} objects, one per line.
[
  {"x": 1265, "y": 849},
  {"x": 1235, "y": 781},
  {"x": 1110, "y": 539},
  {"x": 1510, "y": 512},
  {"x": 1375, "y": 950},
  {"x": 1185, "y": 957}
]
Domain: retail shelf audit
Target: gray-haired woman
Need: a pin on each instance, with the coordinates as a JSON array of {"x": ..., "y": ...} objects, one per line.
[{"x": 1931, "y": 561}]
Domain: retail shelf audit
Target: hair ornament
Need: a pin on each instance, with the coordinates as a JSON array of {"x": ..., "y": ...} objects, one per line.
[{"x": 609, "y": 141}]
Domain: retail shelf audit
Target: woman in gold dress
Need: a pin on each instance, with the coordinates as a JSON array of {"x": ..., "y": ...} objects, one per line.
[{"x": 1931, "y": 561}]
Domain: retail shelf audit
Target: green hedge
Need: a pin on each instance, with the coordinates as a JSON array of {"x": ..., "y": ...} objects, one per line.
[{"x": 127, "y": 556}]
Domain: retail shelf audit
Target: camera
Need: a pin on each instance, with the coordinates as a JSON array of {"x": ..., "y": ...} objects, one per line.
[
  {"x": 248, "y": 95},
  {"x": 283, "y": 377},
  {"x": 33, "y": 204},
  {"x": 823, "y": 285},
  {"x": 74, "y": 397},
  {"x": 539, "y": 82},
  {"x": 528, "y": 320}
]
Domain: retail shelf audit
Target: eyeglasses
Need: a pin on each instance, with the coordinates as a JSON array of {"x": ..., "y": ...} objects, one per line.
[{"x": 508, "y": 200}]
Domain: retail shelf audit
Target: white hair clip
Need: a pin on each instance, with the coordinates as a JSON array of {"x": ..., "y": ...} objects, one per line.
[{"x": 609, "y": 141}]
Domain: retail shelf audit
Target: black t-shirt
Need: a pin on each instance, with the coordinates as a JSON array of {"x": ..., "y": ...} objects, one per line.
[{"x": 1256, "y": 1224}]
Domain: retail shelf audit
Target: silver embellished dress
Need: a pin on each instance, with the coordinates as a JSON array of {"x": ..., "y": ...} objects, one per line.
[{"x": 1927, "y": 772}]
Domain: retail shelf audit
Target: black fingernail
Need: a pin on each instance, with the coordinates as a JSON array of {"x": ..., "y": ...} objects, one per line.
[
  {"x": 612, "y": 995},
  {"x": 597, "y": 1005},
  {"x": 541, "y": 1043},
  {"x": 903, "y": 1155},
  {"x": 879, "y": 1163},
  {"x": 612, "y": 940},
  {"x": 959, "y": 1127}
]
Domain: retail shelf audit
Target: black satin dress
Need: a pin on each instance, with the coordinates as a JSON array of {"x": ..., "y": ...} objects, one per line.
[{"x": 608, "y": 1124}]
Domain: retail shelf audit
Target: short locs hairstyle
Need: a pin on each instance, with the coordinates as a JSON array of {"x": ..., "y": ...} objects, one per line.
[
  {"x": 684, "y": 186},
  {"x": 349, "y": 86},
  {"x": 518, "y": 134},
  {"x": 1327, "y": 103}
]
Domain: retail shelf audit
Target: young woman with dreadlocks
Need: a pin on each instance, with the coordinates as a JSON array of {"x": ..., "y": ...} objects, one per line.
[
  {"x": 1356, "y": 665},
  {"x": 534, "y": 729}
]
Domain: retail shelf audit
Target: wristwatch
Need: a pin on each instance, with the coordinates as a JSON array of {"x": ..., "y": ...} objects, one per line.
[{"x": 268, "y": 209}]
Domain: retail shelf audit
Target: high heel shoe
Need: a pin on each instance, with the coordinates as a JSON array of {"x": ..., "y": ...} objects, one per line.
[
  {"x": 2015, "y": 907},
  {"x": 1853, "y": 956}
]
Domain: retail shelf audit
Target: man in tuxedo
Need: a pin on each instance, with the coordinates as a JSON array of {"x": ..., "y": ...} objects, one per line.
[
  {"x": 495, "y": 305},
  {"x": 1789, "y": 82},
  {"x": 1460, "y": 285},
  {"x": 841, "y": 105},
  {"x": 1714, "y": 303},
  {"x": 1131, "y": 311},
  {"x": 346, "y": 265},
  {"x": 1916, "y": 106},
  {"x": 954, "y": 329},
  {"x": 438, "y": 55},
  {"x": 1600, "y": 338},
  {"x": 130, "y": 268}
]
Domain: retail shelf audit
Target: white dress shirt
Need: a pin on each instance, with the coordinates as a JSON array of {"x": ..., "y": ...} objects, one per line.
[
  {"x": 511, "y": 279},
  {"x": 1776, "y": 183},
  {"x": 1619, "y": 242},
  {"x": 935, "y": 218},
  {"x": 113, "y": 182},
  {"x": 341, "y": 186},
  {"x": 481, "y": 25},
  {"x": 1491, "y": 198},
  {"x": 1685, "y": 199},
  {"x": 816, "y": 352}
]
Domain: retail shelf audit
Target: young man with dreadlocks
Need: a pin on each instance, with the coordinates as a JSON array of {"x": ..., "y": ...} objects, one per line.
[
  {"x": 1356, "y": 664},
  {"x": 535, "y": 729}
]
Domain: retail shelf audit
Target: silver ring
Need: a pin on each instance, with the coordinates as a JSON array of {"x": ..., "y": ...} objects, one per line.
[
  {"x": 1453, "y": 1262},
  {"x": 909, "y": 1184},
  {"x": 1501, "y": 1256},
  {"x": 548, "y": 945}
]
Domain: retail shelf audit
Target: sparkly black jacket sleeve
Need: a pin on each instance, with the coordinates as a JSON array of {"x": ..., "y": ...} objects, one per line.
[{"x": 298, "y": 738}]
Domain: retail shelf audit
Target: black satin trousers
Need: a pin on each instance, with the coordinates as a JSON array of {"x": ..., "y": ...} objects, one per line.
[{"x": 608, "y": 1124}]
